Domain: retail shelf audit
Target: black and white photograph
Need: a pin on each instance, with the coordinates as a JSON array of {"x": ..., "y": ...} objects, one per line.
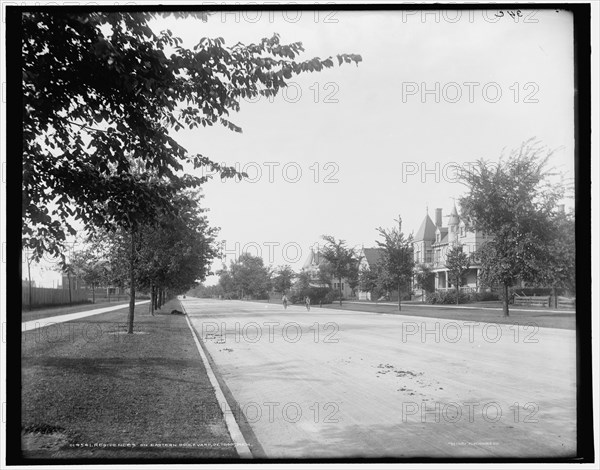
[{"x": 283, "y": 233}]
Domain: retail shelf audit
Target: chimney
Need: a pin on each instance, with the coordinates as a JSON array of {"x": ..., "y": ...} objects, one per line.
[{"x": 438, "y": 217}]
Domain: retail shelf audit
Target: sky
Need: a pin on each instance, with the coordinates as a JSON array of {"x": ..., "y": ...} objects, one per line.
[{"x": 349, "y": 149}]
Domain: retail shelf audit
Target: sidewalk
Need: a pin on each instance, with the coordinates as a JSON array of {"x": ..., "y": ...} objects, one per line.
[
  {"x": 27, "y": 315},
  {"x": 90, "y": 391}
]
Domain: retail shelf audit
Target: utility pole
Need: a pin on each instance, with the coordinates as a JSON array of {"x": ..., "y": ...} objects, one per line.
[
  {"x": 29, "y": 282},
  {"x": 399, "y": 220},
  {"x": 131, "y": 281}
]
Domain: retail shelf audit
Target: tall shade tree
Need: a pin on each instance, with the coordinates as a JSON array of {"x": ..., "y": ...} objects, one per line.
[
  {"x": 169, "y": 254},
  {"x": 457, "y": 264},
  {"x": 343, "y": 261},
  {"x": 397, "y": 260},
  {"x": 560, "y": 269},
  {"x": 283, "y": 279},
  {"x": 367, "y": 280},
  {"x": 177, "y": 251},
  {"x": 102, "y": 90},
  {"x": 226, "y": 282},
  {"x": 514, "y": 201},
  {"x": 250, "y": 276},
  {"x": 89, "y": 266}
]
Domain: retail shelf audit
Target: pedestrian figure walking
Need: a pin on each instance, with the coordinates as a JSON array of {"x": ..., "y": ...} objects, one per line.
[
  {"x": 307, "y": 303},
  {"x": 284, "y": 300}
]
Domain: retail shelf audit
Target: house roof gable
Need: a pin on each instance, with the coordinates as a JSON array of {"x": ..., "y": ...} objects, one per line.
[
  {"x": 372, "y": 255},
  {"x": 426, "y": 230}
]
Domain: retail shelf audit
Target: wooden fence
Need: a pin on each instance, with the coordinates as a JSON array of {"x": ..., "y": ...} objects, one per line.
[
  {"x": 545, "y": 301},
  {"x": 535, "y": 300},
  {"x": 45, "y": 296},
  {"x": 565, "y": 302}
]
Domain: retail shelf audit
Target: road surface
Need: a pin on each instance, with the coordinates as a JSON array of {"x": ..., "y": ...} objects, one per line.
[{"x": 333, "y": 383}]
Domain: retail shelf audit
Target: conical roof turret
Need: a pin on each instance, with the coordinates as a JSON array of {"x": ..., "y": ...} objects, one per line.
[{"x": 453, "y": 218}]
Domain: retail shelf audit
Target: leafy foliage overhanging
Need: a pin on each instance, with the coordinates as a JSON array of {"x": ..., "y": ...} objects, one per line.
[{"x": 102, "y": 92}]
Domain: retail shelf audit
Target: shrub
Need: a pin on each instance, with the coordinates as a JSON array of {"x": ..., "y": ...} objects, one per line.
[
  {"x": 447, "y": 297},
  {"x": 317, "y": 295},
  {"x": 483, "y": 296}
]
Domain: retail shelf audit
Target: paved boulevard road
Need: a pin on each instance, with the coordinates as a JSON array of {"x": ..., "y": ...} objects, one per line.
[{"x": 334, "y": 383}]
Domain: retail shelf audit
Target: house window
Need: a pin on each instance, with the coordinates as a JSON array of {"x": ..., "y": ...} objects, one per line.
[
  {"x": 342, "y": 286},
  {"x": 462, "y": 232},
  {"x": 428, "y": 256},
  {"x": 437, "y": 237}
]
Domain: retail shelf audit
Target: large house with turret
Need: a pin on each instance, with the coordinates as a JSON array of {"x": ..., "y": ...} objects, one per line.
[{"x": 433, "y": 240}]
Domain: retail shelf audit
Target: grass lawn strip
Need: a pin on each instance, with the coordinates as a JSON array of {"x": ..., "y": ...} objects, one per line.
[
  {"x": 562, "y": 319},
  {"x": 91, "y": 391}
]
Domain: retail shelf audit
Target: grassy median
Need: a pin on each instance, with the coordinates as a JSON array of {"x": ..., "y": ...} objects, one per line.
[{"x": 89, "y": 390}]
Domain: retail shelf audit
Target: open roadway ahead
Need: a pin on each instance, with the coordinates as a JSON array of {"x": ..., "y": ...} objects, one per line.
[{"x": 333, "y": 383}]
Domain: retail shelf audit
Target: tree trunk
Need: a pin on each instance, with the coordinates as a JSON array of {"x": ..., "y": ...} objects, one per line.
[
  {"x": 93, "y": 293},
  {"x": 505, "y": 301},
  {"x": 457, "y": 291},
  {"x": 131, "y": 285},
  {"x": 152, "y": 300},
  {"x": 340, "y": 286},
  {"x": 29, "y": 277},
  {"x": 70, "y": 298},
  {"x": 554, "y": 297},
  {"x": 399, "y": 298}
]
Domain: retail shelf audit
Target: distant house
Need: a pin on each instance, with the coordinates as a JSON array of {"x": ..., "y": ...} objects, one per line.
[
  {"x": 311, "y": 266},
  {"x": 433, "y": 241},
  {"x": 369, "y": 257}
]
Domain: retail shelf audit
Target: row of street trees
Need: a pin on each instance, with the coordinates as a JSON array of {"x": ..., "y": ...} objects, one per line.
[{"x": 103, "y": 97}]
